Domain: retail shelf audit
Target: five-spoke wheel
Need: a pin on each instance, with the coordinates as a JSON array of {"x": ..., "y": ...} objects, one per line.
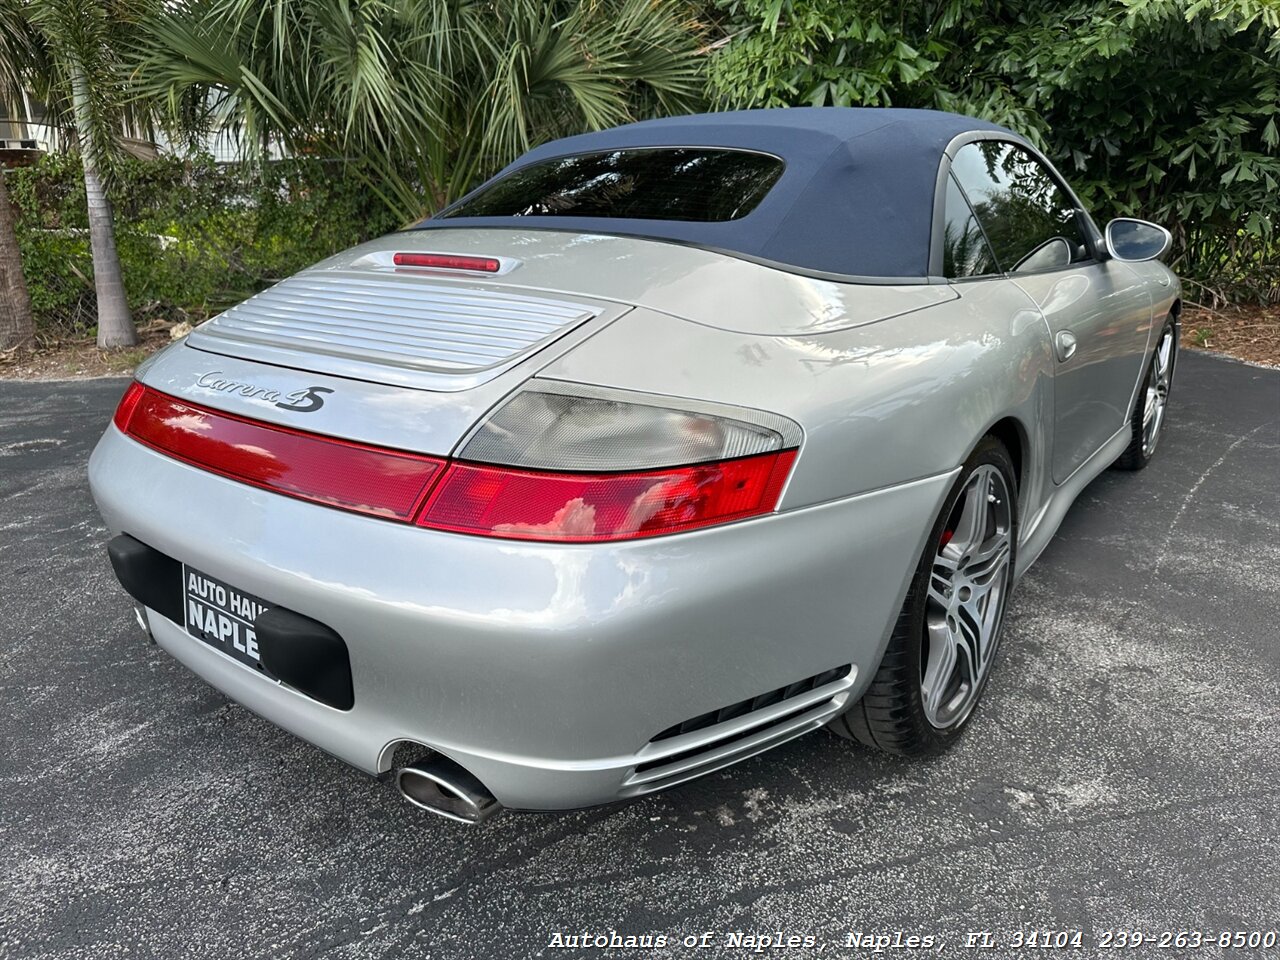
[
  {"x": 967, "y": 587},
  {"x": 944, "y": 641},
  {"x": 1149, "y": 412},
  {"x": 1157, "y": 395}
]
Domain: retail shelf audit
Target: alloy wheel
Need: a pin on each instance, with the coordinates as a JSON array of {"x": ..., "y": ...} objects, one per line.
[
  {"x": 965, "y": 604},
  {"x": 1157, "y": 393}
]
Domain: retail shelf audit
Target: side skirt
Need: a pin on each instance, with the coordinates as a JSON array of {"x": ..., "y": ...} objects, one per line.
[{"x": 1051, "y": 516}]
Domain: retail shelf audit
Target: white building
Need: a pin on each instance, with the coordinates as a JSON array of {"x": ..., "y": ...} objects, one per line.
[{"x": 25, "y": 134}]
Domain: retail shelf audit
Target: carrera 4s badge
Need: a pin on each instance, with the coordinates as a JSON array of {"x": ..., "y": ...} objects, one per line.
[{"x": 305, "y": 400}]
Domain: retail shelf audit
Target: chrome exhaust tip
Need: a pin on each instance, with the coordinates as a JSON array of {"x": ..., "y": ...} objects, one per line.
[
  {"x": 443, "y": 787},
  {"x": 140, "y": 615}
]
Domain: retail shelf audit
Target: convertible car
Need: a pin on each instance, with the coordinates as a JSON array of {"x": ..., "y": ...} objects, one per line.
[{"x": 666, "y": 445}]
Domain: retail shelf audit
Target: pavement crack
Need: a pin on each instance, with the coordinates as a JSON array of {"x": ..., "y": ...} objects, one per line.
[{"x": 1195, "y": 488}]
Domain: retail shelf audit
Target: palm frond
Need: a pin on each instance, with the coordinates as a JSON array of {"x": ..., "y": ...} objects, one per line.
[{"x": 421, "y": 97}]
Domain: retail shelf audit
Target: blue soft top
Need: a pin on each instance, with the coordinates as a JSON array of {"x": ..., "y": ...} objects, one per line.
[{"x": 856, "y": 197}]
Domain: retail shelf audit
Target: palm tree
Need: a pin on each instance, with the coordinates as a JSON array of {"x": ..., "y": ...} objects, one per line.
[
  {"x": 72, "y": 61},
  {"x": 17, "y": 325},
  {"x": 420, "y": 97}
]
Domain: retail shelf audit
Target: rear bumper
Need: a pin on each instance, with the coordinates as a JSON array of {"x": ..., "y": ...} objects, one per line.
[{"x": 543, "y": 669}]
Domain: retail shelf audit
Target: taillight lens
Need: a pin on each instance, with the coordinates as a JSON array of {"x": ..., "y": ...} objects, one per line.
[
  {"x": 338, "y": 473},
  {"x": 128, "y": 403},
  {"x": 742, "y": 464},
  {"x": 448, "y": 261},
  {"x": 574, "y": 463},
  {"x": 584, "y": 507},
  {"x": 548, "y": 428}
]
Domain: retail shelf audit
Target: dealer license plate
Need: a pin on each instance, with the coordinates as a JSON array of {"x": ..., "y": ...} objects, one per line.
[{"x": 221, "y": 615}]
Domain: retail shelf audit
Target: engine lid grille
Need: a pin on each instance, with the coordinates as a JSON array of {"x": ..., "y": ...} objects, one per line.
[{"x": 390, "y": 327}]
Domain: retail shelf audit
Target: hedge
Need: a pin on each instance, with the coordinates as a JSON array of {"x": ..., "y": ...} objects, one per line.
[{"x": 194, "y": 236}]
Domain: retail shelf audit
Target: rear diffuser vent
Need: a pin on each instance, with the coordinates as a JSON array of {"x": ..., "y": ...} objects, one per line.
[
  {"x": 716, "y": 739},
  {"x": 675, "y": 759},
  {"x": 743, "y": 707}
]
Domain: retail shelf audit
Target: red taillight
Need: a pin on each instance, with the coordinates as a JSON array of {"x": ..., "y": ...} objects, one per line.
[
  {"x": 527, "y": 505},
  {"x": 128, "y": 403},
  {"x": 338, "y": 473},
  {"x": 448, "y": 261},
  {"x": 482, "y": 499}
]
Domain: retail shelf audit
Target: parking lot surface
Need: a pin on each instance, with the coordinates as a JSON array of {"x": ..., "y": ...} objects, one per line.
[{"x": 1123, "y": 771}]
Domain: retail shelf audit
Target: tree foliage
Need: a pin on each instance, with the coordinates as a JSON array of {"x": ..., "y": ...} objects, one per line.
[
  {"x": 1164, "y": 109},
  {"x": 68, "y": 53},
  {"x": 423, "y": 97},
  {"x": 85, "y": 38},
  {"x": 195, "y": 236}
]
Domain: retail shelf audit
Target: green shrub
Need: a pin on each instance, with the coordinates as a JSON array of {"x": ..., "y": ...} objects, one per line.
[
  {"x": 1163, "y": 109},
  {"x": 194, "y": 236}
]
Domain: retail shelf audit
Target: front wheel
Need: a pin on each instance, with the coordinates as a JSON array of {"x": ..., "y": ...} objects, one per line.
[
  {"x": 944, "y": 642},
  {"x": 1149, "y": 412}
]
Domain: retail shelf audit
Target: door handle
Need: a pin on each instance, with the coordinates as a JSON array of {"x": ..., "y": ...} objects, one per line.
[{"x": 1066, "y": 342}]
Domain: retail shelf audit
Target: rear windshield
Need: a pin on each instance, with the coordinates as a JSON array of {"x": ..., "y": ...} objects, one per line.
[{"x": 680, "y": 183}]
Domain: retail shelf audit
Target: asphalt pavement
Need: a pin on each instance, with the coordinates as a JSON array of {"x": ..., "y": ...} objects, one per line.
[{"x": 1123, "y": 772}]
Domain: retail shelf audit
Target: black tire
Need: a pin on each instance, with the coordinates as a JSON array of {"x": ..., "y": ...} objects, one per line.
[
  {"x": 1139, "y": 452},
  {"x": 891, "y": 715}
]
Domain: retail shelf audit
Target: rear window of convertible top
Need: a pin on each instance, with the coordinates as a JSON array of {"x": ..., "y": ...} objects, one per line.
[{"x": 650, "y": 183}]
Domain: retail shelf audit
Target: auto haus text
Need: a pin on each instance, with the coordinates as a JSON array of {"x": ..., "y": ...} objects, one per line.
[
  {"x": 204, "y": 595},
  {"x": 751, "y": 942}
]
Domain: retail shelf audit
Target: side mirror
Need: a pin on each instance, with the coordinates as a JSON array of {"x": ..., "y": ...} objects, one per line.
[{"x": 1137, "y": 240}]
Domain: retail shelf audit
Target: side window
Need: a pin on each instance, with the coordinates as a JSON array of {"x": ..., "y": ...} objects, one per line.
[
  {"x": 965, "y": 252},
  {"x": 1028, "y": 219}
]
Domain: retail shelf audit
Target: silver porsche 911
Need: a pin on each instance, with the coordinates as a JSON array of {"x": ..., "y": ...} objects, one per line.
[{"x": 666, "y": 445}]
